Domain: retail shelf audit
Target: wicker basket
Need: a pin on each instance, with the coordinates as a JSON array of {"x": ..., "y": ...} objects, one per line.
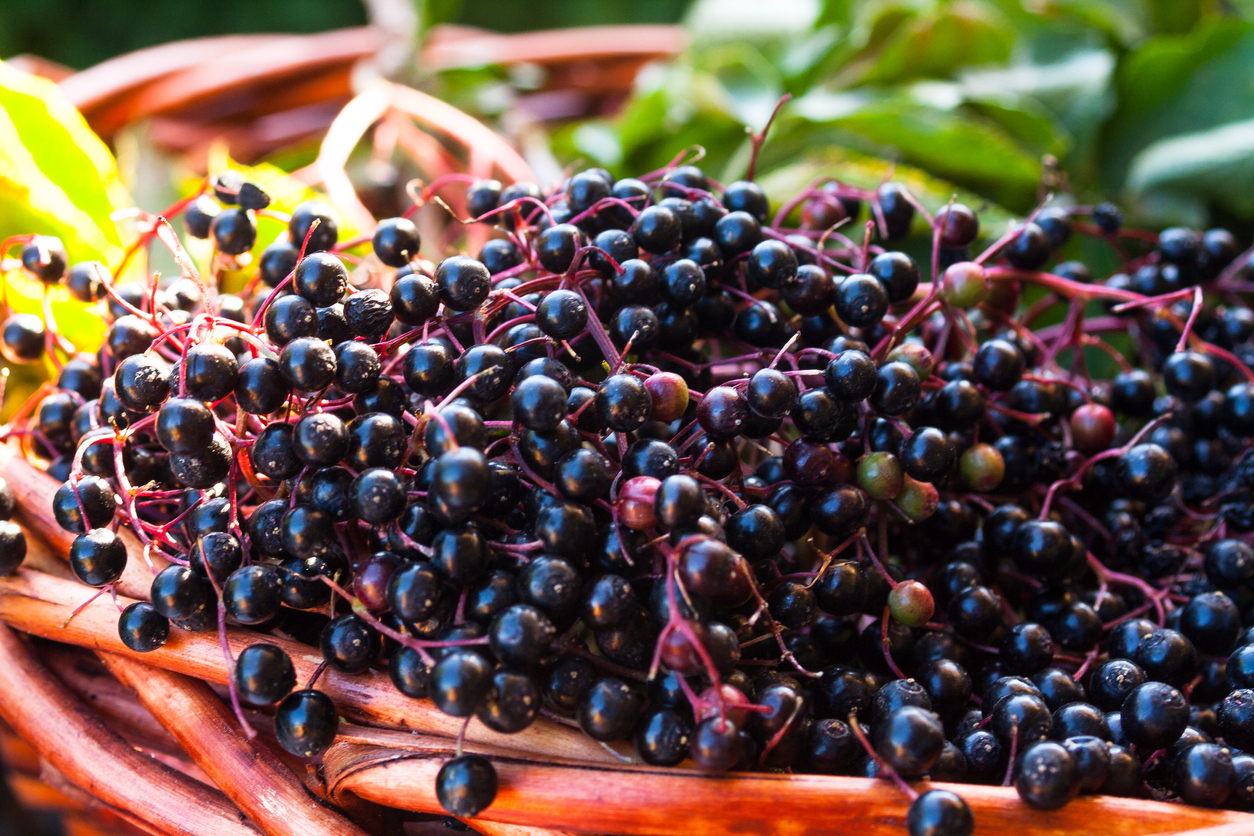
[
  {"x": 124, "y": 743},
  {"x": 148, "y": 738}
]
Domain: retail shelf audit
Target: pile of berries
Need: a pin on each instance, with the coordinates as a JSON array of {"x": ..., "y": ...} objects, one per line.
[{"x": 736, "y": 487}]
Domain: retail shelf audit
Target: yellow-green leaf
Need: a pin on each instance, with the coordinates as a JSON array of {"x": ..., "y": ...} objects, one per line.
[{"x": 56, "y": 176}]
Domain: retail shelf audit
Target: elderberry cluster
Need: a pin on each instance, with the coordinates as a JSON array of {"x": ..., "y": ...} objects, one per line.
[{"x": 740, "y": 488}]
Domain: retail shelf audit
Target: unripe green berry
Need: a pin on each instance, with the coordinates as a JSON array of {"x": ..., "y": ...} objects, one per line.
[
  {"x": 670, "y": 396},
  {"x": 911, "y": 603},
  {"x": 880, "y": 475},
  {"x": 917, "y": 500},
  {"x": 965, "y": 284},
  {"x": 982, "y": 467},
  {"x": 916, "y": 356}
]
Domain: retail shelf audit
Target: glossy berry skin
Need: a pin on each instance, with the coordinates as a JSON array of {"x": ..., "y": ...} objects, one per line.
[
  {"x": 494, "y": 367},
  {"x": 851, "y": 375},
  {"x": 521, "y": 635},
  {"x": 539, "y": 403},
  {"x": 897, "y": 272},
  {"x": 939, "y": 813},
  {"x": 305, "y": 723},
  {"x": 861, "y": 300},
  {"x": 377, "y": 496},
  {"x": 1189, "y": 375},
  {"x": 234, "y": 231},
  {"x": 466, "y": 785},
  {"x": 1047, "y": 777},
  {"x": 898, "y": 212},
  {"x": 663, "y": 737},
  {"x": 184, "y": 425},
  {"x": 623, "y": 403},
  {"x": 1212, "y": 622},
  {"x": 262, "y": 387},
  {"x": 1154, "y": 715},
  {"x": 1203, "y": 775},
  {"x": 1030, "y": 249},
  {"x": 308, "y": 237},
  {"x": 999, "y": 365},
  {"x": 463, "y": 283},
  {"x": 771, "y": 264},
  {"x": 290, "y": 317},
  {"x": 512, "y": 703},
  {"x": 737, "y": 232},
  {"x": 958, "y": 224},
  {"x": 1147, "y": 472},
  {"x": 395, "y": 241},
  {"x": 142, "y": 628},
  {"x": 12, "y": 547},
  {"x": 657, "y": 230},
  {"x": 556, "y": 247},
  {"x": 1236, "y": 718},
  {"x": 910, "y": 740},
  {"x": 22, "y": 340},
  {"x": 251, "y": 594},
  {"x": 561, "y": 314},
  {"x": 96, "y": 498},
  {"x": 349, "y": 644},
  {"x": 307, "y": 364},
  {"x": 414, "y": 298},
  {"x": 608, "y": 710},
  {"x": 716, "y": 745},
  {"x": 771, "y": 393},
  {"x": 460, "y": 681},
  {"x": 926, "y": 454},
  {"x": 1093, "y": 428},
  {"x": 679, "y": 503},
  {"x": 897, "y": 388},
  {"x": 482, "y": 196},
  {"x": 263, "y": 675},
  {"x": 141, "y": 382},
  {"x": 277, "y": 262}
]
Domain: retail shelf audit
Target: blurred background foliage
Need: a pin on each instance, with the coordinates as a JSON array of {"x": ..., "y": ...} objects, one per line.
[
  {"x": 1149, "y": 102},
  {"x": 1001, "y": 102}
]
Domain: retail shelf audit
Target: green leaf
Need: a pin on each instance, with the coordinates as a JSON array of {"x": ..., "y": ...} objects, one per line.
[
  {"x": 935, "y": 45},
  {"x": 56, "y": 176},
  {"x": 1164, "y": 67},
  {"x": 1026, "y": 122},
  {"x": 965, "y": 149},
  {"x": 1175, "y": 86},
  {"x": 1217, "y": 164}
]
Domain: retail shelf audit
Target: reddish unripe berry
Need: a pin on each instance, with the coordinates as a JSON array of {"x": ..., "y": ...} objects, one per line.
[
  {"x": 370, "y": 583},
  {"x": 678, "y": 652},
  {"x": 916, "y": 356},
  {"x": 843, "y": 471},
  {"x": 808, "y": 462},
  {"x": 880, "y": 475},
  {"x": 1092, "y": 428},
  {"x": 959, "y": 226},
  {"x": 911, "y": 603},
  {"x": 964, "y": 284},
  {"x": 635, "y": 503},
  {"x": 735, "y": 703},
  {"x": 670, "y": 396},
  {"x": 918, "y": 500},
  {"x": 982, "y": 467},
  {"x": 822, "y": 211}
]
